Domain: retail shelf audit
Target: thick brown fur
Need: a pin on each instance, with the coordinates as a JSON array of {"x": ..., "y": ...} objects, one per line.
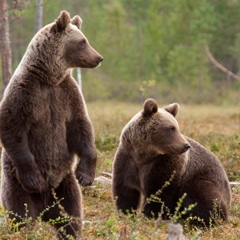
[
  {"x": 44, "y": 124},
  {"x": 151, "y": 152}
]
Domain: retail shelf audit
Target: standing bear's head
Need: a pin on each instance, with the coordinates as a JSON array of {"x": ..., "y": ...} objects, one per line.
[
  {"x": 77, "y": 50},
  {"x": 57, "y": 48},
  {"x": 154, "y": 131}
]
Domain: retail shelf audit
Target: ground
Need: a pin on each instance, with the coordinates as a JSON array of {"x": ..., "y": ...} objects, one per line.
[{"x": 215, "y": 127}]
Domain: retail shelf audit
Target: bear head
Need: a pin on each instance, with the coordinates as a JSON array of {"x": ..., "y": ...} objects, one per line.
[
  {"x": 59, "y": 47},
  {"x": 154, "y": 131},
  {"x": 77, "y": 52}
]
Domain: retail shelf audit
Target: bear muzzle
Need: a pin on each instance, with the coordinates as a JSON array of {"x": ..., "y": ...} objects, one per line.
[
  {"x": 100, "y": 58},
  {"x": 187, "y": 146},
  {"x": 97, "y": 63},
  {"x": 181, "y": 149}
]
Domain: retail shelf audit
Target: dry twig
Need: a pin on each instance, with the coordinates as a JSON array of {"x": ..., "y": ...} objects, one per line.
[{"x": 220, "y": 66}]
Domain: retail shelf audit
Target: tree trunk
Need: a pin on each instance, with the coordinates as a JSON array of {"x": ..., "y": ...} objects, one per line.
[
  {"x": 5, "y": 49},
  {"x": 39, "y": 15}
]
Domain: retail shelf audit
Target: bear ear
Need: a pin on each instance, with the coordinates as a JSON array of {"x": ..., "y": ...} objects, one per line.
[
  {"x": 62, "y": 21},
  {"x": 173, "y": 108},
  {"x": 150, "y": 107},
  {"x": 77, "y": 21}
]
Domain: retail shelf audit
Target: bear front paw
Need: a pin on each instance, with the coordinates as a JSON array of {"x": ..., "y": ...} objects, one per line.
[
  {"x": 84, "y": 179},
  {"x": 32, "y": 182}
]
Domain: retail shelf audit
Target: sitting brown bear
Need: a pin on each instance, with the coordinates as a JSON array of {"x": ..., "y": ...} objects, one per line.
[
  {"x": 151, "y": 152},
  {"x": 44, "y": 123}
]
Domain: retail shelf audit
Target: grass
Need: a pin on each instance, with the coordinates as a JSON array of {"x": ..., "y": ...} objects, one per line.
[{"x": 215, "y": 127}]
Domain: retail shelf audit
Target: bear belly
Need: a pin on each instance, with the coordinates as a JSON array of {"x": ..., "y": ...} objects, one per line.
[{"x": 49, "y": 147}]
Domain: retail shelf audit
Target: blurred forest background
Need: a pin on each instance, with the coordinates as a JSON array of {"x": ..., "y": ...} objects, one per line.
[{"x": 151, "y": 48}]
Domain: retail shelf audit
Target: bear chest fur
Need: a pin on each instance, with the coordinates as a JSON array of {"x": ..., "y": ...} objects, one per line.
[
  {"x": 163, "y": 171},
  {"x": 46, "y": 112},
  {"x": 48, "y": 131}
]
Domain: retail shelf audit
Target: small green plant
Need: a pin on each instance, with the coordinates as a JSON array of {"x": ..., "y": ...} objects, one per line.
[
  {"x": 179, "y": 210},
  {"x": 217, "y": 214},
  {"x": 155, "y": 197},
  {"x": 25, "y": 226},
  {"x": 178, "y": 214}
]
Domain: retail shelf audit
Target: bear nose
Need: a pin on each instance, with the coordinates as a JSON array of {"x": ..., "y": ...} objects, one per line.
[
  {"x": 100, "y": 59},
  {"x": 187, "y": 146}
]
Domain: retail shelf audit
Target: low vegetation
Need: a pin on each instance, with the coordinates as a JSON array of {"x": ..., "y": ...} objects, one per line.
[{"x": 215, "y": 127}]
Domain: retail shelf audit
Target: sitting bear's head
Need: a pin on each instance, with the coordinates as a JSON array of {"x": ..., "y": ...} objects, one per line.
[{"x": 154, "y": 131}]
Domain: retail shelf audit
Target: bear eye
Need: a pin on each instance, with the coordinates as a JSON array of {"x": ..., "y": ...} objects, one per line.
[
  {"x": 171, "y": 129},
  {"x": 83, "y": 42}
]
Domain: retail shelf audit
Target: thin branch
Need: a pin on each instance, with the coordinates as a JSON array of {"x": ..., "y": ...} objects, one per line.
[{"x": 220, "y": 66}]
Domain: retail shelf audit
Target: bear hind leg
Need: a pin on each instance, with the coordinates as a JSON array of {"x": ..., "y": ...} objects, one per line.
[
  {"x": 18, "y": 202},
  {"x": 66, "y": 214},
  {"x": 152, "y": 210},
  {"x": 127, "y": 200},
  {"x": 210, "y": 204}
]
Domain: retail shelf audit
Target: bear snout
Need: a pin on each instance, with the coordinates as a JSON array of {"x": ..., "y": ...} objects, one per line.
[
  {"x": 98, "y": 61},
  {"x": 187, "y": 146},
  {"x": 100, "y": 58},
  {"x": 181, "y": 148}
]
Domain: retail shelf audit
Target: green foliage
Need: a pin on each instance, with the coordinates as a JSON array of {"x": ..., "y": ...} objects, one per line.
[
  {"x": 145, "y": 40},
  {"x": 145, "y": 88},
  {"x": 106, "y": 143},
  {"x": 235, "y": 50},
  {"x": 178, "y": 214},
  {"x": 26, "y": 228}
]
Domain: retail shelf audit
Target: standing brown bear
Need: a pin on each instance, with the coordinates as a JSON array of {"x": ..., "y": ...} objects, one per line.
[
  {"x": 151, "y": 152},
  {"x": 44, "y": 123}
]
